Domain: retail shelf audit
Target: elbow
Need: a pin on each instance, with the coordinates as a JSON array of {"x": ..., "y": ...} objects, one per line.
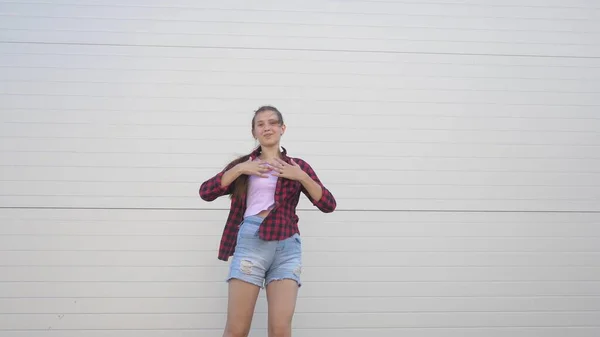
[
  {"x": 329, "y": 208},
  {"x": 206, "y": 197},
  {"x": 327, "y": 204},
  {"x": 212, "y": 189},
  {"x": 205, "y": 194}
]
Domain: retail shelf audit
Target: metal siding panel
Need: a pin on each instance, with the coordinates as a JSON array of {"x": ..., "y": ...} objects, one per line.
[
  {"x": 458, "y": 271},
  {"x": 466, "y": 171}
]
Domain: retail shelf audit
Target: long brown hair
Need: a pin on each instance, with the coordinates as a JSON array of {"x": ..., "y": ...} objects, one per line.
[{"x": 241, "y": 183}]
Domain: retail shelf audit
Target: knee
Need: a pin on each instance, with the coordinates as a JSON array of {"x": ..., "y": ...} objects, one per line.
[
  {"x": 280, "y": 330},
  {"x": 236, "y": 330}
]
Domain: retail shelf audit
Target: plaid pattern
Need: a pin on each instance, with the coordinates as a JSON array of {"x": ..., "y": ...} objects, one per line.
[{"x": 282, "y": 221}]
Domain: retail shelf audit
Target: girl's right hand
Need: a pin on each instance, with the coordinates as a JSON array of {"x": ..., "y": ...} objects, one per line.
[{"x": 254, "y": 167}]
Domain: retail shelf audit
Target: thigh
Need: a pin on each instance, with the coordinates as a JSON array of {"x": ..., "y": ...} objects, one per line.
[
  {"x": 281, "y": 299},
  {"x": 240, "y": 307},
  {"x": 252, "y": 257},
  {"x": 287, "y": 261}
]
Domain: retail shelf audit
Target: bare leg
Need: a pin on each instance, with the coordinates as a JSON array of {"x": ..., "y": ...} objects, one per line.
[
  {"x": 240, "y": 308},
  {"x": 281, "y": 298}
]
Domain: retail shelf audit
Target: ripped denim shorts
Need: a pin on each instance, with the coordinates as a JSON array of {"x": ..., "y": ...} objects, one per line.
[{"x": 259, "y": 262}]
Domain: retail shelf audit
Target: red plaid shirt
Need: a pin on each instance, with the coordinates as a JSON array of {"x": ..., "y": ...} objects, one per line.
[{"x": 281, "y": 222}]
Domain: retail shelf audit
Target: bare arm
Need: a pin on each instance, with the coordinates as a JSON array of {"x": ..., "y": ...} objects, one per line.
[
  {"x": 230, "y": 175},
  {"x": 221, "y": 183}
]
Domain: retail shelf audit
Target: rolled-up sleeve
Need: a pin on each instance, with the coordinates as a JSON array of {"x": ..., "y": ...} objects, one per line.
[
  {"x": 211, "y": 189},
  {"x": 327, "y": 202}
]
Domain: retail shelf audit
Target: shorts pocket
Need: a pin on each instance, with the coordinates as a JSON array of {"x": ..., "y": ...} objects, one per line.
[{"x": 248, "y": 231}]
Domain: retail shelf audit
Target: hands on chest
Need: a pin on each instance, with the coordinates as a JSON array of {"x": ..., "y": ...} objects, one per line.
[
  {"x": 278, "y": 167},
  {"x": 290, "y": 171}
]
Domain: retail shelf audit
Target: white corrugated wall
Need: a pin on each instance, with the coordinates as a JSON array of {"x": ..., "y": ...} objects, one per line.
[{"x": 461, "y": 139}]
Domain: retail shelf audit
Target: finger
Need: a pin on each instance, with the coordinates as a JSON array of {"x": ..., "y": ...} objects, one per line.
[
  {"x": 293, "y": 162},
  {"x": 275, "y": 164},
  {"x": 283, "y": 163}
]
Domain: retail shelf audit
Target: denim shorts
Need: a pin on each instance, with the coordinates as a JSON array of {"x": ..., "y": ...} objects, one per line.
[{"x": 259, "y": 262}]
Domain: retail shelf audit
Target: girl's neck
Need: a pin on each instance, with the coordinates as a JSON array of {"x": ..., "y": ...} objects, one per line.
[{"x": 268, "y": 153}]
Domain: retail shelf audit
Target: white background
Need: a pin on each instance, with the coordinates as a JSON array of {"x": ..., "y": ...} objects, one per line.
[{"x": 460, "y": 138}]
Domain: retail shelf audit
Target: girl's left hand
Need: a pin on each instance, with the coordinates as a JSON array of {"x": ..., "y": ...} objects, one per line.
[{"x": 285, "y": 170}]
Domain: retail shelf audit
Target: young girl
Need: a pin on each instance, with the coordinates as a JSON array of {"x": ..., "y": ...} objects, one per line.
[{"x": 261, "y": 232}]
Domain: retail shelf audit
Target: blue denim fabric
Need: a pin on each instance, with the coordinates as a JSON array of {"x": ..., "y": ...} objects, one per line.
[{"x": 259, "y": 262}]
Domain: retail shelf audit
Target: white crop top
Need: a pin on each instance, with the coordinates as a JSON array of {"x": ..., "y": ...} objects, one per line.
[{"x": 261, "y": 194}]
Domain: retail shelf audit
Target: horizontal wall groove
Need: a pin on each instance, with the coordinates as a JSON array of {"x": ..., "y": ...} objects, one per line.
[
  {"x": 492, "y": 252},
  {"x": 316, "y": 86},
  {"x": 366, "y": 328},
  {"x": 216, "y": 312},
  {"x": 303, "y": 209},
  {"x": 320, "y": 169},
  {"x": 303, "y": 296},
  {"x": 339, "y": 73},
  {"x": 366, "y": 38},
  {"x": 318, "y": 141},
  {"x": 310, "y": 11},
  {"x": 319, "y": 25},
  {"x": 313, "y": 267},
  {"x": 491, "y": 281},
  {"x": 301, "y": 49},
  {"x": 308, "y": 113},
  {"x": 141, "y": 235},
  {"x": 297, "y": 99},
  {"x": 304, "y": 59},
  {"x": 329, "y": 155}
]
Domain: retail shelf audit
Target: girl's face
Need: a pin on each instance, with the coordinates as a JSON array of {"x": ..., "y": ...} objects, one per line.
[{"x": 267, "y": 129}]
